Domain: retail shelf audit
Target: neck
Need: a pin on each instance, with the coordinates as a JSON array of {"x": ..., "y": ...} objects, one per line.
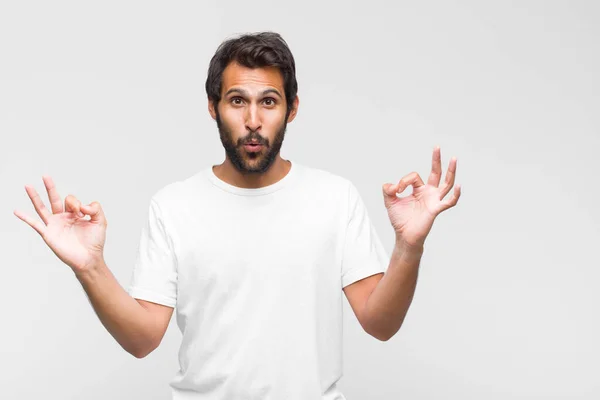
[{"x": 229, "y": 174}]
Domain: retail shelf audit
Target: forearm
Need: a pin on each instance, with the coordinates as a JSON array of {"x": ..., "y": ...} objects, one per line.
[
  {"x": 388, "y": 304},
  {"x": 124, "y": 318}
]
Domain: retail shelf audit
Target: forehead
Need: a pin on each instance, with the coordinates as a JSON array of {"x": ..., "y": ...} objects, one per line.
[{"x": 236, "y": 75}]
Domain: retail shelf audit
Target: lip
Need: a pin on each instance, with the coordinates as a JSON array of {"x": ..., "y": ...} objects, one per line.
[{"x": 253, "y": 148}]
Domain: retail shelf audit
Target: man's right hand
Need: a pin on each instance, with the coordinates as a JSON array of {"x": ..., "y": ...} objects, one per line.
[{"x": 77, "y": 241}]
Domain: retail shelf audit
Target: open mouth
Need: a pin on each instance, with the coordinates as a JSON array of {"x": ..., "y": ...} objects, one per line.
[{"x": 253, "y": 147}]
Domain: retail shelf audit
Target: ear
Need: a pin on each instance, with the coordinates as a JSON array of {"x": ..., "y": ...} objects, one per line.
[
  {"x": 294, "y": 109},
  {"x": 211, "y": 109}
]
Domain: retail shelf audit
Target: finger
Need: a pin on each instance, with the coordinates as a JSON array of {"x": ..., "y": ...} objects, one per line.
[
  {"x": 436, "y": 167},
  {"x": 55, "y": 201},
  {"x": 452, "y": 200},
  {"x": 449, "y": 181},
  {"x": 34, "y": 223},
  {"x": 388, "y": 189},
  {"x": 94, "y": 210},
  {"x": 38, "y": 204},
  {"x": 413, "y": 179},
  {"x": 73, "y": 205}
]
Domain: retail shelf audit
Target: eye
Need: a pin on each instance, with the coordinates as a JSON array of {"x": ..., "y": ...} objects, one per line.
[
  {"x": 271, "y": 101},
  {"x": 236, "y": 101}
]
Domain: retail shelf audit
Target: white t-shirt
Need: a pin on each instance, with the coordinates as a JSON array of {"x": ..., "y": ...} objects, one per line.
[{"x": 256, "y": 276}]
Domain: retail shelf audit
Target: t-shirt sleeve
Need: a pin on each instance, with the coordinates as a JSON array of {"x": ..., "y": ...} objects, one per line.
[
  {"x": 363, "y": 253},
  {"x": 154, "y": 275}
]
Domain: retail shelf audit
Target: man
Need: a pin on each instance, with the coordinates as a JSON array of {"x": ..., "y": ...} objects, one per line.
[{"x": 254, "y": 252}]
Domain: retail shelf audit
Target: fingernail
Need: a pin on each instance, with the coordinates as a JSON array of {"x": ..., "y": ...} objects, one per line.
[{"x": 80, "y": 214}]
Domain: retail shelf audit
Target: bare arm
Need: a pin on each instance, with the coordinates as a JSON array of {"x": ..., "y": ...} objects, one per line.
[
  {"x": 137, "y": 326},
  {"x": 388, "y": 304},
  {"x": 412, "y": 218}
]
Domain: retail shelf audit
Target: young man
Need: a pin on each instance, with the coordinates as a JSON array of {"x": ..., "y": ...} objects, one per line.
[{"x": 255, "y": 252}]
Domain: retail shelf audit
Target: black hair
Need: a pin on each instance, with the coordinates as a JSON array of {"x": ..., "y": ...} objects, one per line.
[{"x": 253, "y": 50}]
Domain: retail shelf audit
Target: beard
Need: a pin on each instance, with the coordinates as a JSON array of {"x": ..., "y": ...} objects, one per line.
[{"x": 251, "y": 163}]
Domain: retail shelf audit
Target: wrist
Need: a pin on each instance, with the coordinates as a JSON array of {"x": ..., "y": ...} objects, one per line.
[
  {"x": 90, "y": 270},
  {"x": 408, "y": 250},
  {"x": 404, "y": 245}
]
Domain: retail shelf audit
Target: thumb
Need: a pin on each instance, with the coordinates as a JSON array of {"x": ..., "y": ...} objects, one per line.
[{"x": 94, "y": 210}]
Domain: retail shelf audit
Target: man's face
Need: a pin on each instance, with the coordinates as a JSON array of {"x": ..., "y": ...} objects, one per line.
[{"x": 251, "y": 116}]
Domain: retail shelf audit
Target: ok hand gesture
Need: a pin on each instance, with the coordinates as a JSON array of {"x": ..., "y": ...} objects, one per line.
[
  {"x": 77, "y": 241},
  {"x": 412, "y": 216}
]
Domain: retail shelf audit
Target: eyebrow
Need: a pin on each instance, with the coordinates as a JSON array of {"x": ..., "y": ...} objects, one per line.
[{"x": 245, "y": 93}]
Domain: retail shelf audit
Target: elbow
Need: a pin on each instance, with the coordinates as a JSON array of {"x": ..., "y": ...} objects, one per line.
[
  {"x": 141, "y": 352},
  {"x": 381, "y": 329},
  {"x": 381, "y": 337},
  {"x": 384, "y": 338},
  {"x": 381, "y": 333},
  {"x": 138, "y": 354}
]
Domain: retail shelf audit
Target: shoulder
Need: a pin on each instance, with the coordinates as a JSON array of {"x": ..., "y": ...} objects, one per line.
[
  {"x": 171, "y": 195},
  {"x": 322, "y": 177},
  {"x": 342, "y": 189}
]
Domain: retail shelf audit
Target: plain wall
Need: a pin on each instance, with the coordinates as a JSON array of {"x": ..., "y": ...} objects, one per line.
[{"x": 108, "y": 98}]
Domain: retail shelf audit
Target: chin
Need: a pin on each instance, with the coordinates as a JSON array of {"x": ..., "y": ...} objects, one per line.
[{"x": 245, "y": 164}]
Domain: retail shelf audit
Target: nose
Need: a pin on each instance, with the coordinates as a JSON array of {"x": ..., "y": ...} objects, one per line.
[{"x": 253, "y": 122}]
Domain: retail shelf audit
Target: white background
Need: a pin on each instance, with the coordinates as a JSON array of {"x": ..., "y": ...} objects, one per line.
[{"x": 108, "y": 98}]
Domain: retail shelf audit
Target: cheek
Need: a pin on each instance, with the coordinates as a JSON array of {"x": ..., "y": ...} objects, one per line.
[
  {"x": 273, "y": 119},
  {"x": 233, "y": 119}
]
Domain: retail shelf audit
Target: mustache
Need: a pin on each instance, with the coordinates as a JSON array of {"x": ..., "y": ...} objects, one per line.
[{"x": 253, "y": 135}]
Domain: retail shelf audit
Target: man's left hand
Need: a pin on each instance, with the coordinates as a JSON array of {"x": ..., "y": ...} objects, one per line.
[{"x": 412, "y": 216}]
